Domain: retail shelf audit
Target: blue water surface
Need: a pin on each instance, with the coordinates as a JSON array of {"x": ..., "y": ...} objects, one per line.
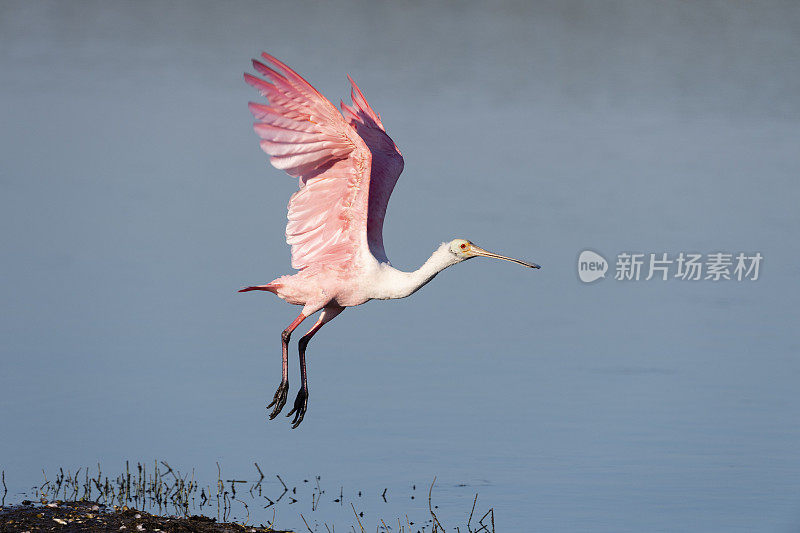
[{"x": 135, "y": 201}]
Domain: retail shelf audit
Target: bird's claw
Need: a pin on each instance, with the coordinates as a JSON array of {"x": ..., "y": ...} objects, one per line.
[
  {"x": 279, "y": 400},
  {"x": 299, "y": 409}
]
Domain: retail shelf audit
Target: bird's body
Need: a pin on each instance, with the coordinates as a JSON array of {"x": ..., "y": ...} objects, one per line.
[
  {"x": 318, "y": 286},
  {"x": 347, "y": 168}
]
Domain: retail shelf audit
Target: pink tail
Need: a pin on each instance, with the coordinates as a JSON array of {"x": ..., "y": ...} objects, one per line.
[{"x": 269, "y": 287}]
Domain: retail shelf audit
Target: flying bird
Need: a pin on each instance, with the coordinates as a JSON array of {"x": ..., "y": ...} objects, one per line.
[{"x": 347, "y": 167}]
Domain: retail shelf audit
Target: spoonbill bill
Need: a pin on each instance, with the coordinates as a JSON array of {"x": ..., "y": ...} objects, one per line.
[{"x": 347, "y": 166}]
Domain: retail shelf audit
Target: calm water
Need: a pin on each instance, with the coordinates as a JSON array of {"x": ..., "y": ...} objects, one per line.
[{"x": 134, "y": 202}]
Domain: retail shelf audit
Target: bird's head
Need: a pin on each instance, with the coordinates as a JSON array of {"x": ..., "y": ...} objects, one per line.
[{"x": 464, "y": 249}]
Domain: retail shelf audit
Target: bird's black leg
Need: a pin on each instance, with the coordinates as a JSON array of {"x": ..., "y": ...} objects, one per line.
[
  {"x": 279, "y": 400},
  {"x": 301, "y": 402}
]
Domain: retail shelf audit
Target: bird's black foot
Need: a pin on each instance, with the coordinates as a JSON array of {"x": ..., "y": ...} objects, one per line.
[
  {"x": 299, "y": 409},
  {"x": 279, "y": 400}
]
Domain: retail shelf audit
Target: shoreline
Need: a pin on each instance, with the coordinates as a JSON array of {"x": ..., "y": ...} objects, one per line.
[{"x": 68, "y": 516}]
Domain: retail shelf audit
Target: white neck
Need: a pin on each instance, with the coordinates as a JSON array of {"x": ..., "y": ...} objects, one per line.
[{"x": 398, "y": 284}]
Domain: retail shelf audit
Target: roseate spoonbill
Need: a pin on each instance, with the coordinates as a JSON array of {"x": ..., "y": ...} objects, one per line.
[{"x": 347, "y": 166}]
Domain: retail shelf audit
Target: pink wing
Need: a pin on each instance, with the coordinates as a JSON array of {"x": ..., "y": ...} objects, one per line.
[
  {"x": 387, "y": 164},
  {"x": 332, "y": 214},
  {"x": 306, "y": 136}
]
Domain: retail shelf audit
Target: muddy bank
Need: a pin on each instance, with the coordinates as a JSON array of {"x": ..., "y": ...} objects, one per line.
[{"x": 92, "y": 516}]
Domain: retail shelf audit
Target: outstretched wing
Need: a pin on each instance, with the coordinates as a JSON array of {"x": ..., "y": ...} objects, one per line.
[
  {"x": 387, "y": 164},
  {"x": 306, "y": 136}
]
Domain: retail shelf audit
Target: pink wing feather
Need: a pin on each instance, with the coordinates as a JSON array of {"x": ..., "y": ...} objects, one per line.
[
  {"x": 387, "y": 164},
  {"x": 332, "y": 214}
]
